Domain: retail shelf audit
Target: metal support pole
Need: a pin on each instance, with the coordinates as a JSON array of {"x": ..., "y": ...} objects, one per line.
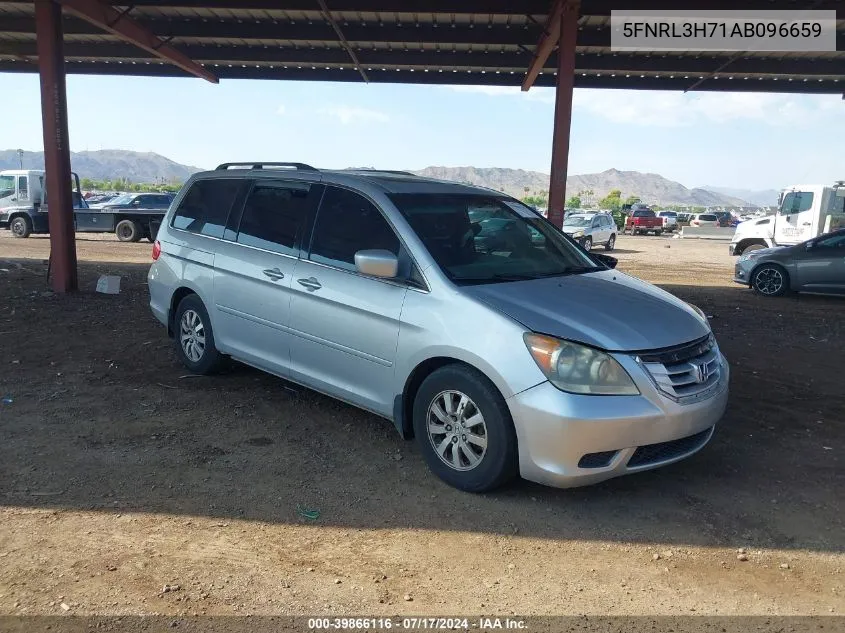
[
  {"x": 51, "y": 66},
  {"x": 563, "y": 109}
]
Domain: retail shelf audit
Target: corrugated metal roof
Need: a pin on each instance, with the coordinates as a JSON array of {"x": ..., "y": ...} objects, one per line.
[{"x": 486, "y": 42}]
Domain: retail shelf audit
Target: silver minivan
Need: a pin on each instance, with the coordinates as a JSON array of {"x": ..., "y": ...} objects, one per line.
[{"x": 529, "y": 356}]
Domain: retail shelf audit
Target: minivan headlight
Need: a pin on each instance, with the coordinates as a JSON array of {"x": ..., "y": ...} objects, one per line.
[{"x": 579, "y": 369}]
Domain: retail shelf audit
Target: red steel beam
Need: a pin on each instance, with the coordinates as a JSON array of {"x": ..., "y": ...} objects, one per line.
[
  {"x": 563, "y": 110},
  {"x": 51, "y": 65},
  {"x": 547, "y": 43},
  {"x": 120, "y": 24}
]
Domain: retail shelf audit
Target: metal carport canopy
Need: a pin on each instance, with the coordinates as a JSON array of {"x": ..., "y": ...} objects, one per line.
[
  {"x": 481, "y": 42},
  {"x": 561, "y": 43}
]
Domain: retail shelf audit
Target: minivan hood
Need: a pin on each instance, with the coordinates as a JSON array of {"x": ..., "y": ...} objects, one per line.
[{"x": 606, "y": 309}]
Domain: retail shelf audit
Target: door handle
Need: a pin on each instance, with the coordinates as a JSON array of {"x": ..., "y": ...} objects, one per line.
[
  {"x": 806, "y": 224},
  {"x": 311, "y": 284},
  {"x": 274, "y": 273}
]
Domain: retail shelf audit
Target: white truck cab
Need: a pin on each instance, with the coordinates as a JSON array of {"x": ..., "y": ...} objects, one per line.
[
  {"x": 23, "y": 200},
  {"x": 804, "y": 211}
]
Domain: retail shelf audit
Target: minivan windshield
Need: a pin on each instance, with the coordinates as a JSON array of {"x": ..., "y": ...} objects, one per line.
[{"x": 519, "y": 245}]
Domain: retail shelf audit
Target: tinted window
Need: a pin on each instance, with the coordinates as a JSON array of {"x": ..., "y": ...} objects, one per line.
[
  {"x": 642, "y": 213},
  {"x": 275, "y": 213},
  {"x": 205, "y": 208},
  {"x": 23, "y": 192},
  {"x": 707, "y": 217},
  {"x": 834, "y": 241},
  {"x": 347, "y": 223},
  {"x": 796, "y": 202}
]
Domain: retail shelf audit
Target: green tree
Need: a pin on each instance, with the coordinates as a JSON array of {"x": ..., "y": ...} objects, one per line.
[
  {"x": 86, "y": 183},
  {"x": 612, "y": 201},
  {"x": 573, "y": 203},
  {"x": 632, "y": 200}
]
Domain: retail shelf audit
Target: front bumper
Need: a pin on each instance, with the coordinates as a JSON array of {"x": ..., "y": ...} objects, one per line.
[
  {"x": 742, "y": 273},
  {"x": 568, "y": 440}
]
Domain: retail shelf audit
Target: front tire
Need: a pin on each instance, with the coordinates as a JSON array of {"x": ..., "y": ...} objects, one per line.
[
  {"x": 21, "y": 226},
  {"x": 464, "y": 429},
  {"x": 750, "y": 248},
  {"x": 770, "y": 280},
  {"x": 195, "y": 338},
  {"x": 611, "y": 243},
  {"x": 588, "y": 244}
]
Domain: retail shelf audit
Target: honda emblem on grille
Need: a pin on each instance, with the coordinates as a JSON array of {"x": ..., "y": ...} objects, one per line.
[{"x": 702, "y": 372}]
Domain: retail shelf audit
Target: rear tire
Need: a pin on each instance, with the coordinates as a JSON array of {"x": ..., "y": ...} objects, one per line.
[
  {"x": 128, "y": 231},
  {"x": 659, "y": 233},
  {"x": 770, "y": 280},
  {"x": 194, "y": 337},
  {"x": 471, "y": 447},
  {"x": 21, "y": 226}
]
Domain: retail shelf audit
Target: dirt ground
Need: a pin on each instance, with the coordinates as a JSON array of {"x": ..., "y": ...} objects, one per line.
[{"x": 128, "y": 487}]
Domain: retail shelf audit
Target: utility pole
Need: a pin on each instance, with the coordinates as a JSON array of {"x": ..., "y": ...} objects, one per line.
[{"x": 20, "y": 158}]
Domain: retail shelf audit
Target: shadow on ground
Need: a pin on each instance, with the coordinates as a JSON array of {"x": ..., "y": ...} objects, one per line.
[{"x": 103, "y": 417}]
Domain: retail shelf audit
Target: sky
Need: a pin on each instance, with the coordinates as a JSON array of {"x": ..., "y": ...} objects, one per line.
[{"x": 742, "y": 140}]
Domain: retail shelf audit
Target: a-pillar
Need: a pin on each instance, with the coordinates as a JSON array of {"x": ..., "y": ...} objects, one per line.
[
  {"x": 570, "y": 10},
  {"x": 51, "y": 66}
]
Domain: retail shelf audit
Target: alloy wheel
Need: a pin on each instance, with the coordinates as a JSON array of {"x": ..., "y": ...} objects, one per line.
[
  {"x": 456, "y": 430},
  {"x": 192, "y": 335}
]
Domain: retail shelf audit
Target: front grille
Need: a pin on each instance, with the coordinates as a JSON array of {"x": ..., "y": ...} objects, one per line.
[
  {"x": 685, "y": 372},
  {"x": 596, "y": 460},
  {"x": 663, "y": 451}
]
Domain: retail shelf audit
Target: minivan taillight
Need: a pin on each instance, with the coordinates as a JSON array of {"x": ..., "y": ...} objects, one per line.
[{"x": 156, "y": 250}]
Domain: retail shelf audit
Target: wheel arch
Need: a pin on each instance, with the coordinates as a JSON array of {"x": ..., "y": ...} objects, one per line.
[
  {"x": 180, "y": 293},
  {"x": 403, "y": 403}
]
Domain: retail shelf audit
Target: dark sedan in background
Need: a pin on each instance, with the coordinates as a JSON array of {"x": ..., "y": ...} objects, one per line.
[
  {"x": 137, "y": 201},
  {"x": 816, "y": 266}
]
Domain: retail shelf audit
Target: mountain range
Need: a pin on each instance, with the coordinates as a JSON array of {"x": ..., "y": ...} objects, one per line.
[
  {"x": 109, "y": 164},
  {"x": 148, "y": 167},
  {"x": 650, "y": 188},
  {"x": 762, "y": 197}
]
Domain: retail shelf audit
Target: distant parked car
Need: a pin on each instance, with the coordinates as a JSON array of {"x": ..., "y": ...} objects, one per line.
[
  {"x": 705, "y": 219},
  {"x": 725, "y": 218},
  {"x": 139, "y": 201},
  {"x": 590, "y": 229},
  {"x": 817, "y": 265},
  {"x": 670, "y": 220}
]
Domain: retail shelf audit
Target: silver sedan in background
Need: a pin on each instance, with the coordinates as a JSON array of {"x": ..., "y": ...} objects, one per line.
[{"x": 816, "y": 266}]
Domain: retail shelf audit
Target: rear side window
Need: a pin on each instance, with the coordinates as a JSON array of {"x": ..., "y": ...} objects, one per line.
[
  {"x": 205, "y": 208},
  {"x": 275, "y": 214},
  {"x": 347, "y": 223}
]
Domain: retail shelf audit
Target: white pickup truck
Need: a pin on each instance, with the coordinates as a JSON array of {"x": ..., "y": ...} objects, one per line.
[{"x": 804, "y": 211}]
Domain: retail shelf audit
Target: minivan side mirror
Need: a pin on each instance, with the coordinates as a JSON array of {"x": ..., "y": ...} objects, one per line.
[
  {"x": 607, "y": 260},
  {"x": 377, "y": 263}
]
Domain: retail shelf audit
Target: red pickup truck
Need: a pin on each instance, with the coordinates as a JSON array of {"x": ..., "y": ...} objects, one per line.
[{"x": 643, "y": 220}]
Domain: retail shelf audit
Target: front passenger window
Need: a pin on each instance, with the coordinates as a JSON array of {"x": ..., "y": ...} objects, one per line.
[{"x": 347, "y": 223}]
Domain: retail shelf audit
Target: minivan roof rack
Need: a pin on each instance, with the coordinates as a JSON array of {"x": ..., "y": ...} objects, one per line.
[
  {"x": 262, "y": 165},
  {"x": 381, "y": 171}
]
